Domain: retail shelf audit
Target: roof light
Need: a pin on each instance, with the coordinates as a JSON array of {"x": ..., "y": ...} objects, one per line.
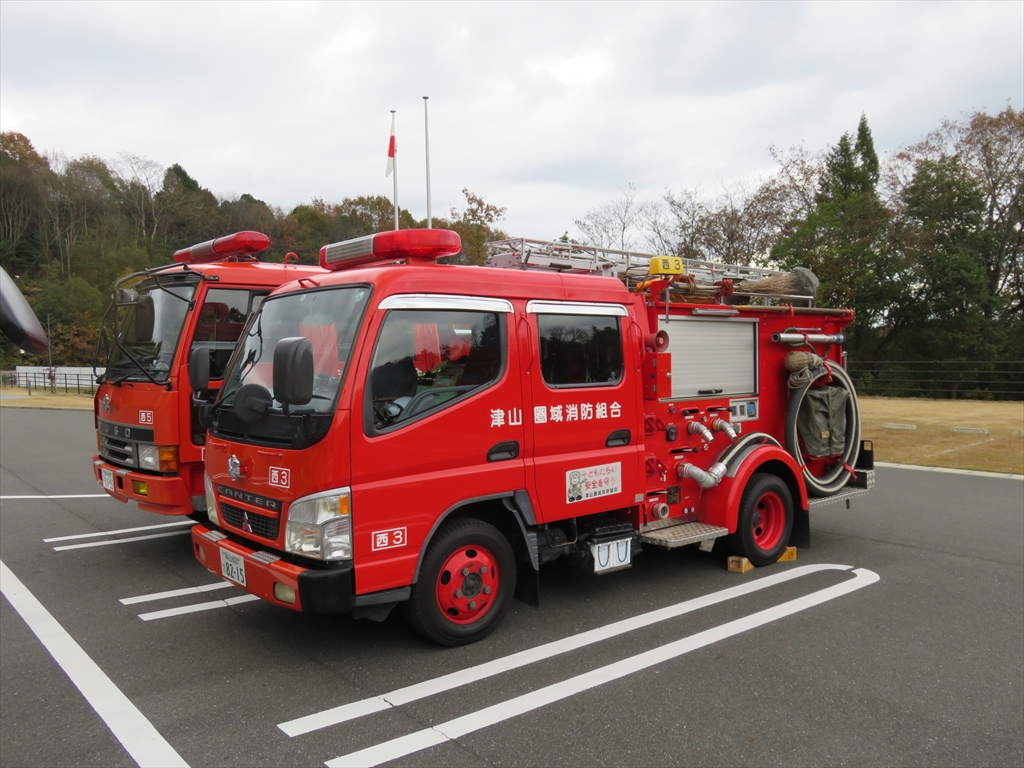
[
  {"x": 238, "y": 244},
  {"x": 410, "y": 245}
]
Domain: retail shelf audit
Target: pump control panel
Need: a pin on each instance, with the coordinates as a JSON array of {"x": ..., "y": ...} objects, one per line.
[{"x": 744, "y": 409}]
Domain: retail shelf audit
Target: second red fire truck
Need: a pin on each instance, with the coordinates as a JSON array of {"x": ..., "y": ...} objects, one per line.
[
  {"x": 402, "y": 431},
  {"x": 149, "y": 440}
]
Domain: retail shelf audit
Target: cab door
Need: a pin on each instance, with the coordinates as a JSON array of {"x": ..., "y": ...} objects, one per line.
[
  {"x": 440, "y": 423},
  {"x": 585, "y": 448}
]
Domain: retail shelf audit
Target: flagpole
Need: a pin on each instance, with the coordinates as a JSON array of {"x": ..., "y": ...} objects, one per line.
[
  {"x": 395, "y": 171},
  {"x": 426, "y": 139}
]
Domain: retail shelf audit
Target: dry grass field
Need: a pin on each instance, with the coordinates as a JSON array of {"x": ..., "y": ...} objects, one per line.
[
  {"x": 935, "y": 444},
  {"x": 932, "y": 444}
]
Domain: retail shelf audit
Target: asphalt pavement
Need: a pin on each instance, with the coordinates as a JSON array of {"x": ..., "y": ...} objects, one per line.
[{"x": 897, "y": 638}]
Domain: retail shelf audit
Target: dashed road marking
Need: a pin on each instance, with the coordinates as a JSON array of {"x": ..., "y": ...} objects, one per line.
[
  {"x": 67, "y": 547},
  {"x": 462, "y": 726},
  {"x": 167, "y": 613},
  {"x": 97, "y": 534},
  {"x": 176, "y": 593},
  {"x": 448, "y": 682},
  {"x": 58, "y": 496}
]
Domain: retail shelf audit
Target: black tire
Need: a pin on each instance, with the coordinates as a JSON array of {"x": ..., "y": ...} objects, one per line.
[
  {"x": 765, "y": 520},
  {"x": 465, "y": 585}
]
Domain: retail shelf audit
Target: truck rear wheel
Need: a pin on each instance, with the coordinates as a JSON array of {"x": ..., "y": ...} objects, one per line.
[
  {"x": 765, "y": 520},
  {"x": 465, "y": 585}
]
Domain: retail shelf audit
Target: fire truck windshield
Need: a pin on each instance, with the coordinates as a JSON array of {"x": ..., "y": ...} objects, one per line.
[
  {"x": 328, "y": 318},
  {"x": 149, "y": 322}
]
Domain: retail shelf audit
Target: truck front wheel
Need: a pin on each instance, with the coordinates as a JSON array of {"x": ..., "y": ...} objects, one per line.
[
  {"x": 765, "y": 520},
  {"x": 465, "y": 585}
]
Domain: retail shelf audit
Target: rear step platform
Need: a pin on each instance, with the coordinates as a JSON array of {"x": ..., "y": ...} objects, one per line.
[{"x": 671, "y": 534}]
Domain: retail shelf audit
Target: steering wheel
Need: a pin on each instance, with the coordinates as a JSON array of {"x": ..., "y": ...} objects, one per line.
[{"x": 425, "y": 400}]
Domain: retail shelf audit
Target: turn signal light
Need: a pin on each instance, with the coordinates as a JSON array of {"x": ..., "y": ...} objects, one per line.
[
  {"x": 238, "y": 244},
  {"x": 168, "y": 458},
  {"x": 410, "y": 245}
]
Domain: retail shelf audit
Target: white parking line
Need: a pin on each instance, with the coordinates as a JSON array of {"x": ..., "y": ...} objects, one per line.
[
  {"x": 176, "y": 593},
  {"x": 175, "y": 524},
  {"x": 448, "y": 682},
  {"x": 454, "y": 729},
  {"x": 66, "y": 547},
  {"x": 59, "y": 496},
  {"x": 130, "y": 727},
  {"x": 197, "y": 607}
]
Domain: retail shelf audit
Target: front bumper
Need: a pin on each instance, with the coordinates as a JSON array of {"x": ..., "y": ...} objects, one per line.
[
  {"x": 316, "y": 591},
  {"x": 164, "y": 495}
]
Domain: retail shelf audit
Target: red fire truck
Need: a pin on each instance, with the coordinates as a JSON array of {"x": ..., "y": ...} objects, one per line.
[
  {"x": 404, "y": 431},
  {"x": 149, "y": 440}
]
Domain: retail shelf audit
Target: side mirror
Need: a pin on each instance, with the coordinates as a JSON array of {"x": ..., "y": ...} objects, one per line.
[
  {"x": 145, "y": 317},
  {"x": 293, "y": 371},
  {"x": 199, "y": 369}
]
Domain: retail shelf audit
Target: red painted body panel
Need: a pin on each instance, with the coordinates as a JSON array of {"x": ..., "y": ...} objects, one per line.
[
  {"x": 259, "y": 577},
  {"x": 719, "y": 505}
]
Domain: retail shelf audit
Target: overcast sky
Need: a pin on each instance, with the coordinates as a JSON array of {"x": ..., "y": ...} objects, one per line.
[{"x": 547, "y": 109}]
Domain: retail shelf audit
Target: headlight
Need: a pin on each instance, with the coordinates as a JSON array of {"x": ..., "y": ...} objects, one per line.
[
  {"x": 321, "y": 526},
  {"x": 158, "y": 458},
  {"x": 211, "y": 500},
  {"x": 149, "y": 457}
]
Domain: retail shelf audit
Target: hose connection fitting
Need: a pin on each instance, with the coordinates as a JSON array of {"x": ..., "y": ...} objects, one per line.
[
  {"x": 721, "y": 425},
  {"x": 708, "y": 479},
  {"x": 659, "y": 511},
  {"x": 696, "y": 428}
]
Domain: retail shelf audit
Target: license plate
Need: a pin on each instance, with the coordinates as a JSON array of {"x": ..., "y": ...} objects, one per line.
[
  {"x": 108, "y": 478},
  {"x": 612, "y": 555},
  {"x": 232, "y": 567}
]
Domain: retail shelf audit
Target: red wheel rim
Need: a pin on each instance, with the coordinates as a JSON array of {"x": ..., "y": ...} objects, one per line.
[
  {"x": 467, "y": 584},
  {"x": 768, "y": 521}
]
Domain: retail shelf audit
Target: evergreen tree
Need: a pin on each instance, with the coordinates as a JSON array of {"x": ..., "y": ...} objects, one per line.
[{"x": 843, "y": 238}]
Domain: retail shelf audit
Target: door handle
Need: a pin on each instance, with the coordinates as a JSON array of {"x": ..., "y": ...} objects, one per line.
[
  {"x": 618, "y": 438},
  {"x": 504, "y": 451}
]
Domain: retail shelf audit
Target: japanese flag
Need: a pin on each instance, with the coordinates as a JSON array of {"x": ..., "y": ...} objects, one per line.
[{"x": 392, "y": 147}]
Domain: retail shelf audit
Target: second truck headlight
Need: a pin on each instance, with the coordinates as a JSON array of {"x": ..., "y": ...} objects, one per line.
[
  {"x": 321, "y": 526},
  {"x": 211, "y": 500}
]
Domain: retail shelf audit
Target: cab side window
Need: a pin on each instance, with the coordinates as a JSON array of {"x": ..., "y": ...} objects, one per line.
[
  {"x": 579, "y": 350},
  {"x": 221, "y": 319},
  {"x": 426, "y": 360}
]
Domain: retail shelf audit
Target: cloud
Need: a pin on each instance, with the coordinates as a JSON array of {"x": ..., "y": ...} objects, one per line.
[{"x": 545, "y": 108}]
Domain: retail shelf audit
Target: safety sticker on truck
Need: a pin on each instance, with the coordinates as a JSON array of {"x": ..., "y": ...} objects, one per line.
[{"x": 591, "y": 482}]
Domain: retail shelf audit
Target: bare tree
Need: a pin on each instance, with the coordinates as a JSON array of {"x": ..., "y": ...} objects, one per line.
[
  {"x": 614, "y": 224},
  {"x": 140, "y": 180}
]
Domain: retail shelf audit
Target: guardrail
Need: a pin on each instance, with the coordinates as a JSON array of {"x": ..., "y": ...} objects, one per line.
[
  {"x": 44, "y": 381},
  {"x": 940, "y": 379}
]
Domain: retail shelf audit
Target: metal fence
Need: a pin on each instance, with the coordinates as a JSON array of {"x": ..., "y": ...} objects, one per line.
[
  {"x": 940, "y": 379},
  {"x": 45, "y": 381}
]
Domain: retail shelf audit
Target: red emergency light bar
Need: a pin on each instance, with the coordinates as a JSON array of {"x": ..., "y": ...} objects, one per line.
[
  {"x": 238, "y": 244},
  {"x": 410, "y": 245}
]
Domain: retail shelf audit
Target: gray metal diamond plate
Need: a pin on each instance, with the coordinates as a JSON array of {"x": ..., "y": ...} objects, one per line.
[
  {"x": 214, "y": 536},
  {"x": 264, "y": 557},
  {"x": 843, "y": 495},
  {"x": 679, "y": 535}
]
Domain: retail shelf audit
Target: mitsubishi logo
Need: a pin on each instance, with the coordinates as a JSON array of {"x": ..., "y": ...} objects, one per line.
[
  {"x": 106, "y": 402},
  {"x": 246, "y": 526},
  {"x": 234, "y": 467}
]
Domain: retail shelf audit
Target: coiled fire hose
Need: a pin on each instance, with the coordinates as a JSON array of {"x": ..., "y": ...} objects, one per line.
[{"x": 801, "y": 380}]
